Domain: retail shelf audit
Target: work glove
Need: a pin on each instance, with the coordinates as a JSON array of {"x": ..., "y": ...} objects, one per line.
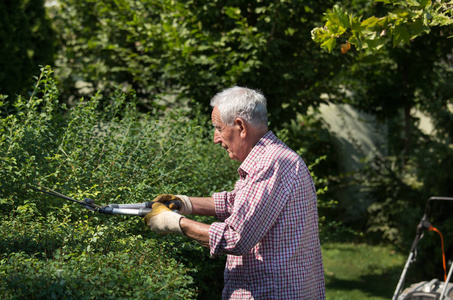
[
  {"x": 162, "y": 220},
  {"x": 184, "y": 203}
]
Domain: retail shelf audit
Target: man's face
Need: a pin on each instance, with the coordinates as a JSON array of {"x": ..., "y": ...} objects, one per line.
[{"x": 228, "y": 137}]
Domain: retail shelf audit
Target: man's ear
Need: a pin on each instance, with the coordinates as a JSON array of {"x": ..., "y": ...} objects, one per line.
[{"x": 242, "y": 126}]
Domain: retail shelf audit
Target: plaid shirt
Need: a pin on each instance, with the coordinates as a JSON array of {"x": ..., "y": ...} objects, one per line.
[{"x": 269, "y": 228}]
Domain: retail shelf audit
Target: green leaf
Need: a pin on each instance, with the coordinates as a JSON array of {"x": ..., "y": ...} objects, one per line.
[
  {"x": 343, "y": 17},
  {"x": 370, "y": 22},
  {"x": 393, "y": 2},
  {"x": 337, "y": 20},
  {"x": 413, "y": 3},
  {"x": 424, "y": 3},
  {"x": 376, "y": 44},
  {"x": 441, "y": 20},
  {"x": 233, "y": 12},
  {"x": 329, "y": 44},
  {"x": 400, "y": 36},
  {"x": 356, "y": 24},
  {"x": 418, "y": 28},
  {"x": 319, "y": 34},
  {"x": 356, "y": 41}
]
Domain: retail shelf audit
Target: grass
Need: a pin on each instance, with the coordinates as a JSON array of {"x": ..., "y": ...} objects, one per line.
[{"x": 360, "y": 271}]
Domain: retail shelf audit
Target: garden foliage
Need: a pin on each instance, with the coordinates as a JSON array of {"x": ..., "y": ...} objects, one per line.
[
  {"x": 56, "y": 257},
  {"x": 192, "y": 49},
  {"x": 51, "y": 248},
  {"x": 168, "y": 54},
  {"x": 27, "y": 40},
  {"x": 108, "y": 151},
  {"x": 405, "y": 21},
  {"x": 177, "y": 51},
  {"x": 397, "y": 76}
]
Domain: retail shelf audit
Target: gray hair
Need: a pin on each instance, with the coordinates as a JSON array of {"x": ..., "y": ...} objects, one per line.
[{"x": 241, "y": 102}]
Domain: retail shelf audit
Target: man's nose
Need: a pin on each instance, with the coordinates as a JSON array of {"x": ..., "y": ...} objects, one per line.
[{"x": 217, "y": 138}]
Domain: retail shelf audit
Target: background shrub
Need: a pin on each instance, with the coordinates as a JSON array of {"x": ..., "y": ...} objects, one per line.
[{"x": 27, "y": 41}]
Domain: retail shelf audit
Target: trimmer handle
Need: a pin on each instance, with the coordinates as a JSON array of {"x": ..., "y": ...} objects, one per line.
[{"x": 139, "y": 209}]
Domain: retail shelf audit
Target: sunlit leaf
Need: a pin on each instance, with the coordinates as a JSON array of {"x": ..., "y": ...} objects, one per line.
[
  {"x": 369, "y": 22},
  {"x": 329, "y": 44}
]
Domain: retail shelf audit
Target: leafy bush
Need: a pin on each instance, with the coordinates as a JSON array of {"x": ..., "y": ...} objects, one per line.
[
  {"x": 112, "y": 154},
  {"x": 81, "y": 260}
]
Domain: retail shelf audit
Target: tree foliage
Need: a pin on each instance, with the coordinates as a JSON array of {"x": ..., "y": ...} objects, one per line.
[
  {"x": 26, "y": 42},
  {"x": 402, "y": 69},
  {"x": 192, "y": 49},
  {"x": 405, "y": 21}
]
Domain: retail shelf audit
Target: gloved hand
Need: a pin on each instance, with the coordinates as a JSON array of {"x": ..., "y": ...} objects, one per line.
[
  {"x": 162, "y": 220},
  {"x": 185, "y": 204}
]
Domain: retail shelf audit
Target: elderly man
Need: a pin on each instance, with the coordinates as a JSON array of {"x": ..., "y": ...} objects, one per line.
[{"x": 268, "y": 225}]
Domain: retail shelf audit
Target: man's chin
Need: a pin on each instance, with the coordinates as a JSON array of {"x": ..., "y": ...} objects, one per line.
[{"x": 232, "y": 156}]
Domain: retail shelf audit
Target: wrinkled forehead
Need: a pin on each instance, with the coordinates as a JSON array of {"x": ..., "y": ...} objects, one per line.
[{"x": 215, "y": 117}]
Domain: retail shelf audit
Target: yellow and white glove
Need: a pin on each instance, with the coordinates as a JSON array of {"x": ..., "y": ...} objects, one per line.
[
  {"x": 184, "y": 203},
  {"x": 162, "y": 220}
]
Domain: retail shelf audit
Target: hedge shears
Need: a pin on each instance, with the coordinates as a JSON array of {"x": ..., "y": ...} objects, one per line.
[{"x": 136, "y": 209}]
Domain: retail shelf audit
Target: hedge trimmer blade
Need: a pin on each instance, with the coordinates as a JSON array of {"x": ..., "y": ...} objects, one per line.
[
  {"x": 137, "y": 209},
  {"x": 88, "y": 203}
]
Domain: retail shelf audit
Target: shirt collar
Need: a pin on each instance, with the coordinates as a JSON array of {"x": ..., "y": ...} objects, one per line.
[{"x": 249, "y": 162}]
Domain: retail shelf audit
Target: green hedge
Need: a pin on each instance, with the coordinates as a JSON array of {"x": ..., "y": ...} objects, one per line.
[
  {"x": 49, "y": 259},
  {"x": 111, "y": 153}
]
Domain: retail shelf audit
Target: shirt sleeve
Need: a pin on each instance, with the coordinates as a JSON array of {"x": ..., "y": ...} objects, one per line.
[
  {"x": 223, "y": 204},
  {"x": 257, "y": 204}
]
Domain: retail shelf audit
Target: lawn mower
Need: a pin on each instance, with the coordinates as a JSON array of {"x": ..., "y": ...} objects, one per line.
[{"x": 425, "y": 290}]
